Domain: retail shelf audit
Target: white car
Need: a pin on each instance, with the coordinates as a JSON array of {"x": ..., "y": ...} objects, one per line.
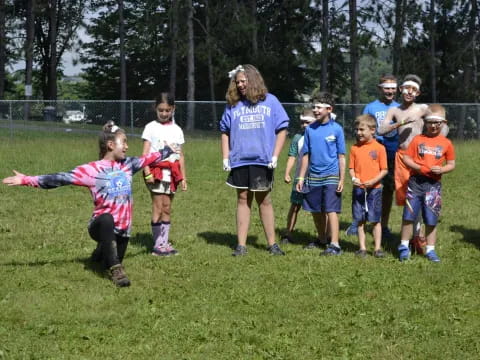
[{"x": 73, "y": 116}]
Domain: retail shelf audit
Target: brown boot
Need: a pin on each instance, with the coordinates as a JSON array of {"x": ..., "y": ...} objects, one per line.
[{"x": 118, "y": 276}]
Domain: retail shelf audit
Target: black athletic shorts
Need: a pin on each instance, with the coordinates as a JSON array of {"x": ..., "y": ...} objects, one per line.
[{"x": 251, "y": 177}]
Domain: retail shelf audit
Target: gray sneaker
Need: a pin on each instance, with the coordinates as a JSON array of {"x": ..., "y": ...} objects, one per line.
[
  {"x": 118, "y": 276},
  {"x": 240, "y": 250},
  {"x": 275, "y": 250}
]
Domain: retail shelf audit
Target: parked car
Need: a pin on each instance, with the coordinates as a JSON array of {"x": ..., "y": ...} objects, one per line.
[{"x": 74, "y": 116}]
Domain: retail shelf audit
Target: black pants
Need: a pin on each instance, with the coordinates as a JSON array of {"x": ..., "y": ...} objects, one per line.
[{"x": 112, "y": 246}]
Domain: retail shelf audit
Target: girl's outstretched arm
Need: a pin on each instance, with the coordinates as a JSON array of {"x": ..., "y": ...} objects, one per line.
[{"x": 14, "y": 180}]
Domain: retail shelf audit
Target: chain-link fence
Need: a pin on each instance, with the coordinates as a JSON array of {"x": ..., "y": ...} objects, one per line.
[{"x": 88, "y": 115}]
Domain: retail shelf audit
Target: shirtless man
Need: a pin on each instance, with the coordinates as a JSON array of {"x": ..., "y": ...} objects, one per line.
[{"x": 408, "y": 120}]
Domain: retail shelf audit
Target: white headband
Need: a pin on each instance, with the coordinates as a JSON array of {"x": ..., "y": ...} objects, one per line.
[
  {"x": 435, "y": 117},
  {"x": 307, "y": 118},
  {"x": 411, "y": 83},
  {"x": 388, "y": 85},
  {"x": 322, "y": 105},
  {"x": 234, "y": 71}
]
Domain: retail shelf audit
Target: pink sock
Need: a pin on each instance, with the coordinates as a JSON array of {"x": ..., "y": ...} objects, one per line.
[
  {"x": 157, "y": 234},
  {"x": 165, "y": 231}
]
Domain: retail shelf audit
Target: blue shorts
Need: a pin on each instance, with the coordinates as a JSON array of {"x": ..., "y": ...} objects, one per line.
[
  {"x": 423, "y": 194},
  {"x": 369, "y": 210},
  {"x": 323, "y": 198}
]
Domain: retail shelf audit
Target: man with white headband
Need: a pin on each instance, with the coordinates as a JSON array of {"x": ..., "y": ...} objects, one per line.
[
  {"x": 295, "y": 155},
  {"x": 322, "y": 173},
  {"x": 407, "y": 119},
  {"x": 387, "y": 88}
]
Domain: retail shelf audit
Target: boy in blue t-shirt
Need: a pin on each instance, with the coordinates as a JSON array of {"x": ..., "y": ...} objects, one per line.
[
  {"x": 387, "y": 88},
  {"x": 324, "y": 164}
]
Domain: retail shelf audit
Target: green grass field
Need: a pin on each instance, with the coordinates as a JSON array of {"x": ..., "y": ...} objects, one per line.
[{"x": 205, "y": 304}]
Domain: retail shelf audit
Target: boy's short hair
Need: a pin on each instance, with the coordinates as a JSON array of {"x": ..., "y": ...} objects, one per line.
[
  {"x": 387, "y": 77},
  {"x": 414, "y": 78},
  {"x": 366, "y": 119},
  {"x": 437, "y": 109},
  {"x": 324, "y": 98}
]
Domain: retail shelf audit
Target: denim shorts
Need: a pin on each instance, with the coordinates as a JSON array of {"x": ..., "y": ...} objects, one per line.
[
  {"x": 323, "y": 198},
  {"x": 366, "y": 208}
]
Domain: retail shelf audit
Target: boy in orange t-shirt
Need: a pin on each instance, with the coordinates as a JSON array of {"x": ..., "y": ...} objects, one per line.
[
  {"x": 428, "y": 156},
  {"x": 368, "y": 165}
]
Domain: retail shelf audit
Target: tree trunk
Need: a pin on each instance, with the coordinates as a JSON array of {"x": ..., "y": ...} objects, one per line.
[
  {"x": 3, "y": 52},
  {"x": 190, "y": 69},
  {"x": 354, "y": 63},
  {"x": 253, "y": 14},
  {"x": 211, "y": 79},
  {"x": 123, "y": 68},
  {"x": 474, "y": 34},
  {"x": 30, "y": 30},
  {"x": 398, "y": 37},
  {"x": 173, "y": 50},
  {"x": 433, "y": 37},
  {"x": 52, "y": 41},
  {"x": 324, "y": 54}
]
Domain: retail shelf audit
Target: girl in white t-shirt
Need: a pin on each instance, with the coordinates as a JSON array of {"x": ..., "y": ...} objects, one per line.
[{"x": 163, "y": 179}]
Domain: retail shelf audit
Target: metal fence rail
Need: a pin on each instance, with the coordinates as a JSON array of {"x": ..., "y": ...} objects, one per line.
[{"x": 83, "y": 115}]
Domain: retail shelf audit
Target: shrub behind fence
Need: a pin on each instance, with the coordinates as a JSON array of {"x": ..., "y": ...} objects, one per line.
[{"x": 463, "y": 119}]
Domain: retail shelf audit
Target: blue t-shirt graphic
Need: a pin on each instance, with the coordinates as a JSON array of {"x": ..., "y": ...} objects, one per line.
[{"x": 379, "y": 110}]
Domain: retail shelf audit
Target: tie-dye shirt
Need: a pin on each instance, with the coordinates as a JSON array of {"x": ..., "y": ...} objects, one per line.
[{"x": 109, "y": 182}]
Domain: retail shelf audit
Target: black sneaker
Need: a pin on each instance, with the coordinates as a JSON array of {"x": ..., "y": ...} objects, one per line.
[
  {"x": 240, "y": 250},
  {"x": 361, "y": 253},
  {"x": 379, "y": 254},
  {"x": 118, "y": 276},
  {"x": 275, "y": 250}
]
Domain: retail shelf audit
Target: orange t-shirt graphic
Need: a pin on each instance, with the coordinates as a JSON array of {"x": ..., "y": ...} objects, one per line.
[
  {"x": 367, "y": 160},
  {"x": 431, "y": 151}
]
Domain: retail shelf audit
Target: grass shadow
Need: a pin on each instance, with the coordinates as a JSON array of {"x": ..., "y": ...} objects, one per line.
[
  {"x": 471, "y": 236},
  {"x": 228, "y": 239},
  {"x": 144, "y": 240}
]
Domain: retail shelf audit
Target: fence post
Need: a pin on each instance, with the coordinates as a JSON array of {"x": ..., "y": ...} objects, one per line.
[
  {"x": 131, "y": 116},
  {"x": 11, "y": 119}
]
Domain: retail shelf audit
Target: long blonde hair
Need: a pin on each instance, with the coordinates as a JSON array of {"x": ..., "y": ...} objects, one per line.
[{"x": 256, "y": 88}]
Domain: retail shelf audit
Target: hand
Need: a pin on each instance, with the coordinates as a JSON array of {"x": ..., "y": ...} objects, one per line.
[
  {"x": 287, "y": 178},
  {"x": 436, "y": 170},
  {"x": 14, "y": 180},
  {"x": 340, "y": 186},
  {"x": 226, "y": 165},
  {"x": 184, "y": 184},
  {"x": 369, "y": 184},
  {"x": 356, "y": 181},
  {"x": 273, "y": 164},
  {"x": 299, "y": 186}
]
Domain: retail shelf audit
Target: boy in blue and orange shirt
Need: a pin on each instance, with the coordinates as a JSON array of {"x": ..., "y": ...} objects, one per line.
[
  {"x": 428, "y": 156},
  {"x": 367, "y": 166}
]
